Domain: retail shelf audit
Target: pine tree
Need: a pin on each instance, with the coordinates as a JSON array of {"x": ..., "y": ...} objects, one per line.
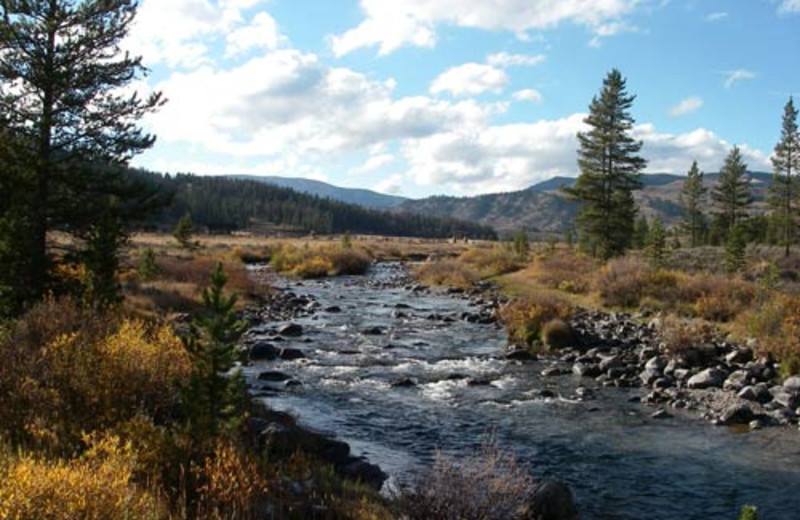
[
  {"x": 785, "y": 164},
  {"x": 657, "y": 242},
  {"x": 215, "y": 398},
  {"x": 692, "y": 198},
  {"x": 62, "y": 79},
  {"x": 183, "y": 232},
  {"x": 610, "y": 170},
  {"x": 735, "y": 248},
  {"x": 521, "y": 244},
  {"x": 641, "y": 230},
  {"x": 731, "y": 196}
]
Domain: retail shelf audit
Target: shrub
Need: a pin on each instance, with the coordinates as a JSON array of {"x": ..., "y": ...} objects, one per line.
[
  {"x": 557, "y": 334},
  {"x": 566, "y": 271},
  {"x": 682, "y": 335},
  {"x": 307, "y": 262},
  {"x": 486, "y": 486},
  {"x": 98, "y": 485},
  {"x": 66, "y": 371},
  {"x": 626, "y": 281},
  {"x": 314, "y": 267},
  {"x": 489, "y": 262},
  {"x": 448, "y": 272},
  {"x": 526, "y": 318},
  {"x": 748, "y": 513},
  {"x": 776, "y": 325}
]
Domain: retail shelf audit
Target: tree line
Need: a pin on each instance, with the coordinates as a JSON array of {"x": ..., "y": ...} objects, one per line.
[
  {"x": 224, "y": 204},
  {"x": 610, "y": 171}
]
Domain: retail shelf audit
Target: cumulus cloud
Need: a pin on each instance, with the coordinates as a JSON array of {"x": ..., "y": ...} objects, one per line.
[
  {"x": 733, "y": 77},
  {"x": 288, "y": 102},
  {"x": 181, "y": 33},
  {"x": 390, "y": 25},
  {"x": 686, "y": 106},
  {"x": 789, "y": 6},
  {"x": 470, "y": 79},
  {"x": 527, "y": 94}
]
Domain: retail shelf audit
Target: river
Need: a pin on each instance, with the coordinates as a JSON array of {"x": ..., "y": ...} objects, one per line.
[{"x": 620, "y": 462}]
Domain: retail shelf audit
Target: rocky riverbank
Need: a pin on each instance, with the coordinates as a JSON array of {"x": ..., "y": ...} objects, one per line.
[{"x": 721, "y": 381}]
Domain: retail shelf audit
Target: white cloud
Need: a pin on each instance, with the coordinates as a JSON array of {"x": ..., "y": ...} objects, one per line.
[
  {"x": 289, "y": 103},
  {"x": 375, "y": 162},
  {"x": 528, "y": 94},
  {"x": 513, "y": 157},
  {"x": 686, "y": 106},
  {"x": 393, "y": 24},
  {"x": 789, "y": 6},
  {"x": 470, "y": 79},
  {"x": 182, "y": 33},
  {"x": 735, "y": 76},
  {"x": 717, "y": 16},
  {"x": 262, "y": 32},
  {"x": 503, "y": 59}
]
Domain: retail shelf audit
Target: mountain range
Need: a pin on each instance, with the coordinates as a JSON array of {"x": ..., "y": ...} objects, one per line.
[{"x": 541, "y": 208}]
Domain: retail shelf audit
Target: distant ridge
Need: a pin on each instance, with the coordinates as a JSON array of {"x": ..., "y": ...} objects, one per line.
[{"x": 361, "y": 197}]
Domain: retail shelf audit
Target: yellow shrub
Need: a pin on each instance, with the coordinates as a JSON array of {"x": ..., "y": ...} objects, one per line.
[
  {"x": 448, "y": 272},
  {"x": 491, "y": 261},
  {"x": 565, "y": 270},
  {"x": 314, "y": 267},
  {"x": 776, "y": 326},
  {"x": 97, "y": 486},
  {"x": 525, "y": 318},
  {"x": 84, "y": 373}
]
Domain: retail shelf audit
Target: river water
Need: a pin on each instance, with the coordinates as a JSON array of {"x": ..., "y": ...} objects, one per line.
[{"x": 621, "y": 463}]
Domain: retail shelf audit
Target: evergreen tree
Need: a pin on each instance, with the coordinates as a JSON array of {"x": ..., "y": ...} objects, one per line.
[
  {"x": 62, "y": 75},
  {"x": 785, "y": 164},
  {"x": 692, "y": 198},
  {"x": 641, "y": 230},
  {"x": 657, "y": 242},
  {"x": 735, "y": 248},
  {"x": 183, "y": 232},
  {"x": 610, "y": 170},
  {"x": 731, "y": 196},
  {"x": 214, "y": 401},
  {"x": 521, "y": 245}
]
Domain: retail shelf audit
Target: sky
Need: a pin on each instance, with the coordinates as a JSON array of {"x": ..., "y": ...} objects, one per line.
[{"x": 457, "y": 97}]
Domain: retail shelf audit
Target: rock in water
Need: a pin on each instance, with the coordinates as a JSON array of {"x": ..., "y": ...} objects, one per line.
[
  {"x": 263, "y": 352},
  {"x": 292, "y": 330},
  {"x": 551, "y": 500}
]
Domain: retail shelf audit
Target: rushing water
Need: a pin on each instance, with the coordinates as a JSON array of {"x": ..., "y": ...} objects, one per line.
[{"x": 621, "y": 463}]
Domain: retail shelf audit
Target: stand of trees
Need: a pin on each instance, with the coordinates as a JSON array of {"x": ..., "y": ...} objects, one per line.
[
  {"x": 66, "y": 128},
  {"x": 610, "y": 172},
  {"x": 224, "y": 204}
]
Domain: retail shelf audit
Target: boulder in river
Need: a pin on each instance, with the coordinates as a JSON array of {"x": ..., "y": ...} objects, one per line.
[
  {"x": 741, "y": 414},
  {"x": 792, "y": 384},
  {"x": 291, "y": 354},
  {"x": 273, "y": 375},
  {"x": 551, "y": 500},
  {"x": 758, "y": 393},
  {"x": 291, "y": 330},
  {"x": 708, "y": 378},
  {"x": 263, "y": 351}
]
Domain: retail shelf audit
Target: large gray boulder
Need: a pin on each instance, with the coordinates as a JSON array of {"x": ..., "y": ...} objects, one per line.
[{"x": 708, "y": 378}]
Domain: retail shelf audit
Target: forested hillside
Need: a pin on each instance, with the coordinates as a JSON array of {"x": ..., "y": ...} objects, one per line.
[{"x": 226, "y": 204}]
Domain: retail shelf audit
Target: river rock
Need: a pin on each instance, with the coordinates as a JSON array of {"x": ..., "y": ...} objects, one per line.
[
  {"x": 660, "y": 414},
  {"x": 292, "y": 330},
  {"x": 656, "y": 364},
  {"x": 406, "y": 382},
  {"x": 273, "y": 375},
  {"x": 333, "y": 309},
  {"x": 758, "y": 393},
  {"x": 291, "y": 354},
  {"x": 362, "y": 471},
  {"x": 736, "y": 381},
  {"x": 739, "y": 356},
  {"x": 792, "y": 384},
  {"x": 373, "y": 331},
  {"x": 553, "y": 372},
  {"x": 550, "y": 500},
  {"x": 790, "y": 400},
  {"x": 740, "y": 414},
  {"x": 520, "y": 354},
  {"x": 586, "y": 369},
  {"x": 263, "y": 351},
  {"x": 648, "y": 376},
  {"x": 609, "y": 362},
  {"x": 708, "y": 378}
]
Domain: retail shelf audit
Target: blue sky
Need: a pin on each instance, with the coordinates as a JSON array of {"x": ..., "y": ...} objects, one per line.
[{"x": 457, "y": 97}]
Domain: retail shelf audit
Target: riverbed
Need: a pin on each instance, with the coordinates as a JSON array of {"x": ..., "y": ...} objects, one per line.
[{"x": 398, "y": 373}]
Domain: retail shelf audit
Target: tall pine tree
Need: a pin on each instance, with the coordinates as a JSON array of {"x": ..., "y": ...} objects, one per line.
[
  {"x": 609, "y": 171},
  {"x": 731, "y": 196},
  {"x": 692, "y": 198},
  {"x": 785, "y": 164},
  {"x": 62, "y": 74}
]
